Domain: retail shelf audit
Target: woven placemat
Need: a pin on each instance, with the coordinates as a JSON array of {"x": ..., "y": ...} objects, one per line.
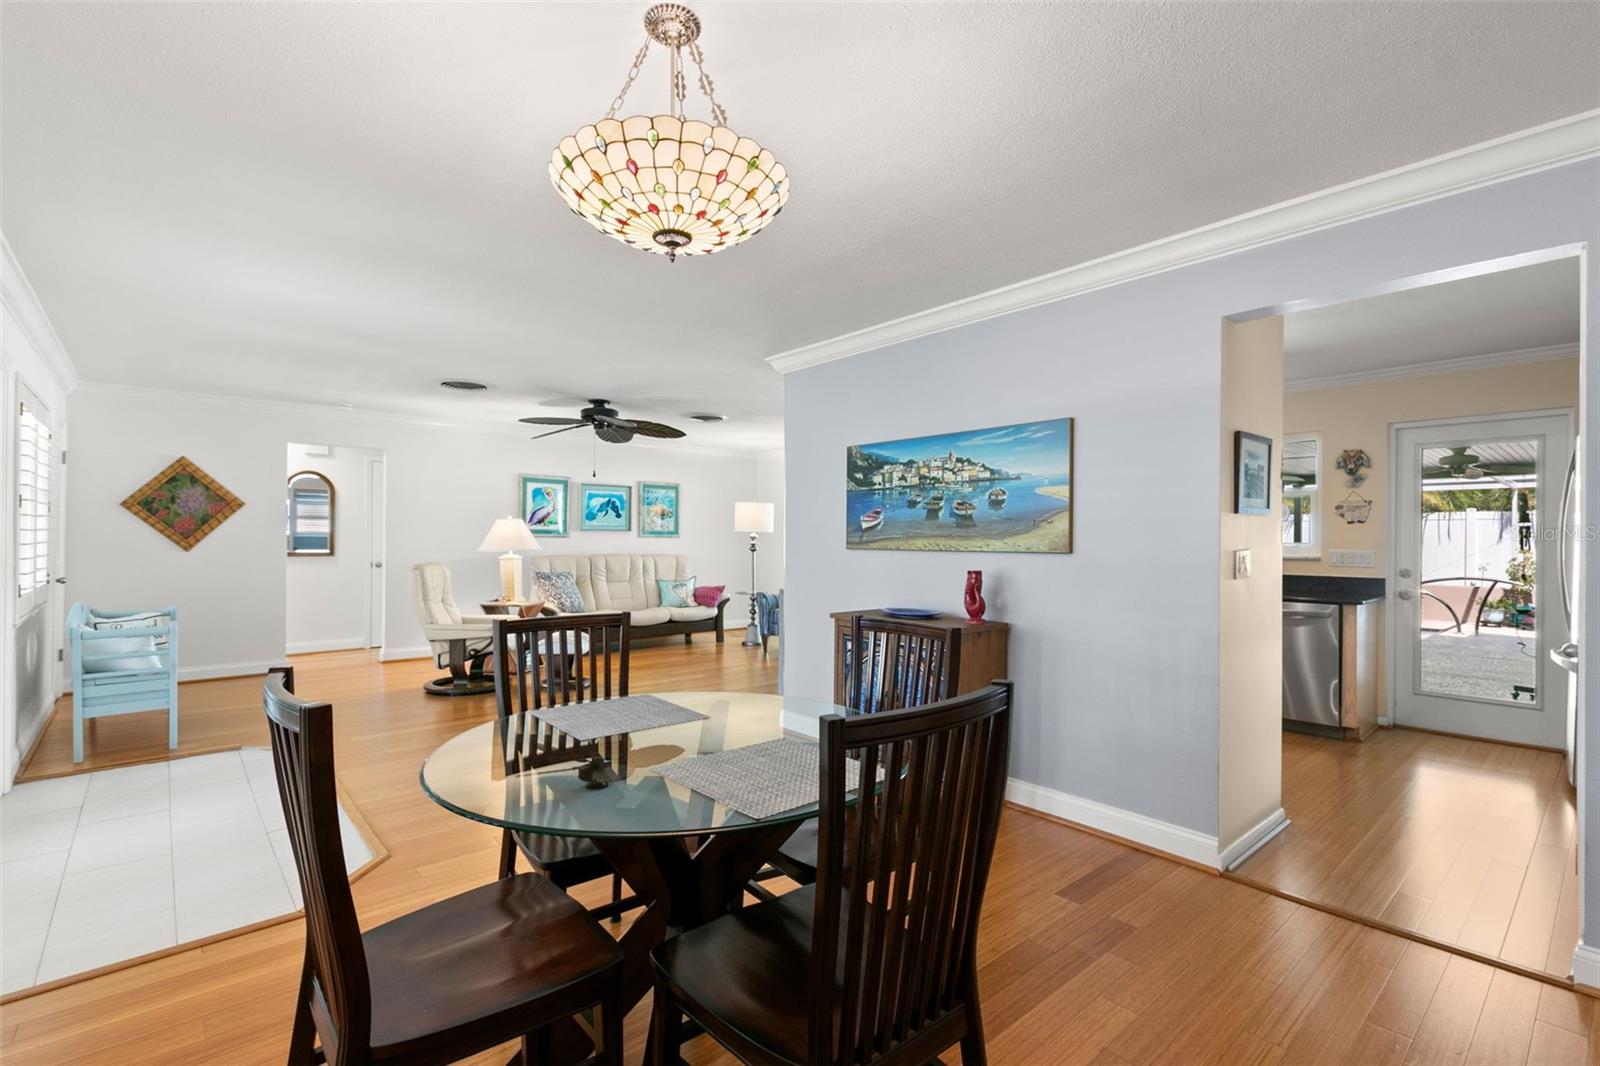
[
  {"x": 762, "y": 780},
  {"x": 606, "y": 718}
]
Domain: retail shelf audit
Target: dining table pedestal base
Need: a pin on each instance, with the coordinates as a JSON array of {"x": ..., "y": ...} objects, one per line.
[{"x": 682, "y": 884}]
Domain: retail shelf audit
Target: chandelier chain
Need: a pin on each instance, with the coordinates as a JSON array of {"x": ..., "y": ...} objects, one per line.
[
  {"x": 675, "y": 84},
  {"x": 719, "y": 114},
  {"x": 633, "y": 72}
]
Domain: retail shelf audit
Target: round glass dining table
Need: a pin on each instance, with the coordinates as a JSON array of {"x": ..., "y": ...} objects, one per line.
[
  {"x": 686, "y": 854},
  {"x": 518, "y": 775}
]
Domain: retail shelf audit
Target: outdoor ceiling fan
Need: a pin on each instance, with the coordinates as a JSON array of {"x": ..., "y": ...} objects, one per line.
[
  {"x": 607, "y": 426},
  {"x": 1461, "y": 463}
]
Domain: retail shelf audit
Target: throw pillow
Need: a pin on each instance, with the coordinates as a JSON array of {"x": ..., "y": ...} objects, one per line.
[
  {"x": 559, "y": 590},
  {"x": 708, "y": 595},
  {"x": 134, "y": 652},
  {"x": 677, "y": 593}
]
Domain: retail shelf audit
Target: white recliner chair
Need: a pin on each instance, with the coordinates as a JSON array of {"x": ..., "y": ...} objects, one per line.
[{"x": 461, "y": 642}]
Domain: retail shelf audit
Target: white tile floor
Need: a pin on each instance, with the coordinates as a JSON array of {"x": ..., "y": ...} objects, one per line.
[{"x": 101, "y": 867}]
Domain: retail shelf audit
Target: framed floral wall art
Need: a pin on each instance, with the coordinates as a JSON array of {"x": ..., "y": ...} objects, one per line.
[{"x": 183, "y": 503}]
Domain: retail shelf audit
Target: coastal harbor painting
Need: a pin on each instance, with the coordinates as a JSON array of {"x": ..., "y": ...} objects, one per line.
[{"x": 1002, "y": 489}]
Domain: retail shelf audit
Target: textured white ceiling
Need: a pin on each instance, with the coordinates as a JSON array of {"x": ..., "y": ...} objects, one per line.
[
  {"x": 1509, "y": 311},
  {"x": 346, "y": 202}
]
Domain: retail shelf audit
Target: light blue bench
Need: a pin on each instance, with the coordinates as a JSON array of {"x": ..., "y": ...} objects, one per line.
[{"x": 122, "y": 662}]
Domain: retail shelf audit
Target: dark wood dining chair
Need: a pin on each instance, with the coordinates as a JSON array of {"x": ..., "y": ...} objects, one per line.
[
  {"x": 896, "y": 664},
  {"x": 893, "y": 665},
  {"x": 556, "y": 661},
  {"x": 498, "y": 963},
  {"x": 888, "y": 942}
]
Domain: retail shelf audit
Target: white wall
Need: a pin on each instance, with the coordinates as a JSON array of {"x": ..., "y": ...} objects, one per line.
[
  {"x": 327, "y": 596},
  {"x": 1115, "y": 649},
  {"x": 30, "y": 353},
  {"x": 445, "y": 485},
  {"x": 769, "y": 487}
]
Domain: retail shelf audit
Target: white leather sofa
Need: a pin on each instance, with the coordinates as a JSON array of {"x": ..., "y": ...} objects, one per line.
[{"x": 628, "y": 583}]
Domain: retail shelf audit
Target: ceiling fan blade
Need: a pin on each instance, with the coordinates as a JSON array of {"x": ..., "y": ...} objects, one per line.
[
  {"x": 613, "y": 434},
  {"x": 553, "y": 432},
  {"x": 656, "y": 429},
  {"x": 545, "y": 420},
  {"x": 621, "y": 423}
]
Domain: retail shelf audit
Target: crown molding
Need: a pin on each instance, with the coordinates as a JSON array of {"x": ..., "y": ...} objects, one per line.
[
  {"x": 19, "y": 298},
  {"x": 112, "y": 390},
  {"x": 1527, "y": 151},
  {"x": 1438, "y": 366}
]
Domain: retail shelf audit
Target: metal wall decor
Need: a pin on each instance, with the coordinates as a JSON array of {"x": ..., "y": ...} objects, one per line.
[
  {"x": 1354, "y": 509},
  {"x": 1355, "y": 463}
]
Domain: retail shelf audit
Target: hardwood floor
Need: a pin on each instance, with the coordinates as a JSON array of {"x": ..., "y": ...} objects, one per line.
[
  {"x": 1089, "y": 951},
  {"x": 1470, "y": 844}
]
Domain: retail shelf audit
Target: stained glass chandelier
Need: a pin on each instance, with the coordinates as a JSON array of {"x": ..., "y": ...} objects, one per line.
[{"x": 667, "y": 183}]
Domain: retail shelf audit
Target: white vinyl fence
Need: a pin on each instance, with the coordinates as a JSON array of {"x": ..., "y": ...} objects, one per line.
[{"x": 1468, "y": 543}]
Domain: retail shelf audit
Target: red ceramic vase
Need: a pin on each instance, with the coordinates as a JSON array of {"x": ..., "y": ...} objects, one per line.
[{"x": 973, "y": 600}]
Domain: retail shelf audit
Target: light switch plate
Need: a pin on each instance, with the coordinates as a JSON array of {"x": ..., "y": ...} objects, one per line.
[
  {"x": 1241, "y": 563},
  {"x": 1347, "y": 557}
]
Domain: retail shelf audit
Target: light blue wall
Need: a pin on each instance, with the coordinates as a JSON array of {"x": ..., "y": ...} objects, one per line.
[{"x": 1114, "y": 648}]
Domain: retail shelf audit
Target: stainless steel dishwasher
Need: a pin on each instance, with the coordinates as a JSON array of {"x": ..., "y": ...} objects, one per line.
[{"x": 1311, "y": 664}]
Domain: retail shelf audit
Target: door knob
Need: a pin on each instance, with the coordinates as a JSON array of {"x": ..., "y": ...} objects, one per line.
[
  {"x": 377, "y": 566},
  {"x": 1405, "y": 594},
  {"x": 1404, "y": 571}
]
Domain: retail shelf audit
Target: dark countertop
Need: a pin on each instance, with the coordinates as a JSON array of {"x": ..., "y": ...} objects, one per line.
[{"x": 1323, "y": 588}]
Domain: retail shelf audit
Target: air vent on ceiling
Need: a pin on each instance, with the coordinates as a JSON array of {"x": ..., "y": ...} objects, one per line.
[
  {"x": 463, "y": 386},
  {"x": 707, "y": 417}
]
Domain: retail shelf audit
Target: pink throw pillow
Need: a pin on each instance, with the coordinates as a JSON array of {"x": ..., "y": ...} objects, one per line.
[{"x": 708, "y": 595}]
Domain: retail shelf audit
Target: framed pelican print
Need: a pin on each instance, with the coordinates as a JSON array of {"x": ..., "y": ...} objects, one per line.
[{"x": 543, "y": 503}]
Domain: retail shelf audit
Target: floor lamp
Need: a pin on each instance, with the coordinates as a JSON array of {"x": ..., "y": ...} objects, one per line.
[{"x": 754, "y": 518}]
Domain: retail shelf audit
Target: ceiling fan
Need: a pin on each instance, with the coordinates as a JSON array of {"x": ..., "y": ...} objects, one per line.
[{"x": 607, "y": 426}]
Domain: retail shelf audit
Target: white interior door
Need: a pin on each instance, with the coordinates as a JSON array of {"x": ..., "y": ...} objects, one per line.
[
  {"x": 1473, "y": 501},
  {"x": 376, "y": 521}
]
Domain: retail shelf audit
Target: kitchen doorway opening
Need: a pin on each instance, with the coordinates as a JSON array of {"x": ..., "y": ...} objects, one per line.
[
  {"x": 334, "y": 521},
  {"x": 1430, "y": 518}
]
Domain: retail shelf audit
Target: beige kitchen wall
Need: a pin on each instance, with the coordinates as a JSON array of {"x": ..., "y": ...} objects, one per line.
[
  {"x": 1359, "y": 416},
  {"x": 1250, "y": 723}
]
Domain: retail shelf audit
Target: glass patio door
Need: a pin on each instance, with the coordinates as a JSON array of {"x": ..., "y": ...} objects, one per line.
[{"x": 1476, "y": 603}]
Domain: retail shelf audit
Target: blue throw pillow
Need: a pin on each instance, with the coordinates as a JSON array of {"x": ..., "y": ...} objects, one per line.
[
  {"x": 677, "y": 593},
  {"x": 559, "y": 591}
]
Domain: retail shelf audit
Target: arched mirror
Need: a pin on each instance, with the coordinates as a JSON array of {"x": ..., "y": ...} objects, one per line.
[{"x": 310, "y": 514}]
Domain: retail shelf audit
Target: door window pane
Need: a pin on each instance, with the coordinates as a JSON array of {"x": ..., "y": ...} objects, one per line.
[{"x": 1478, "y": 632}]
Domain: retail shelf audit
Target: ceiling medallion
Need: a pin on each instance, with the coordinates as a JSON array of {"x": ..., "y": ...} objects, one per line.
[{"x": 667, "y": 183}]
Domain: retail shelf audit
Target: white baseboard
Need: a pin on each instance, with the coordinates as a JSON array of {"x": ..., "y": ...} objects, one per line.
[
  {"x": 212, "y": 672},
  {"x": 1586, "y": 965},
  {"x": 245, "y": 669},
  {"x": 419, "y": 651},
  {"x": 1252, "y": 838},
  {"x": 308, "y": 647},
  {"x": 1385, "y": 720},
  {"x": 1140, "y": 829}
]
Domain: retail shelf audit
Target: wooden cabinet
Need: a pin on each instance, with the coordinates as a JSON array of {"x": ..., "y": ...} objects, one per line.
[
  {"x": 1358, "y": 669},
  {"x": 981, "y": 657}
]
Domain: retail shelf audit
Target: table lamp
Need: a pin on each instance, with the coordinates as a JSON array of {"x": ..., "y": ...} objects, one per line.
[
  {"x": 509, "y": 535},
  {"x": 754, "y": 518}
]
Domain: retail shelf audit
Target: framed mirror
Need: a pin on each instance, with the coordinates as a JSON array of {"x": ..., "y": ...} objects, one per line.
[{"x": 310, "y": 514}]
